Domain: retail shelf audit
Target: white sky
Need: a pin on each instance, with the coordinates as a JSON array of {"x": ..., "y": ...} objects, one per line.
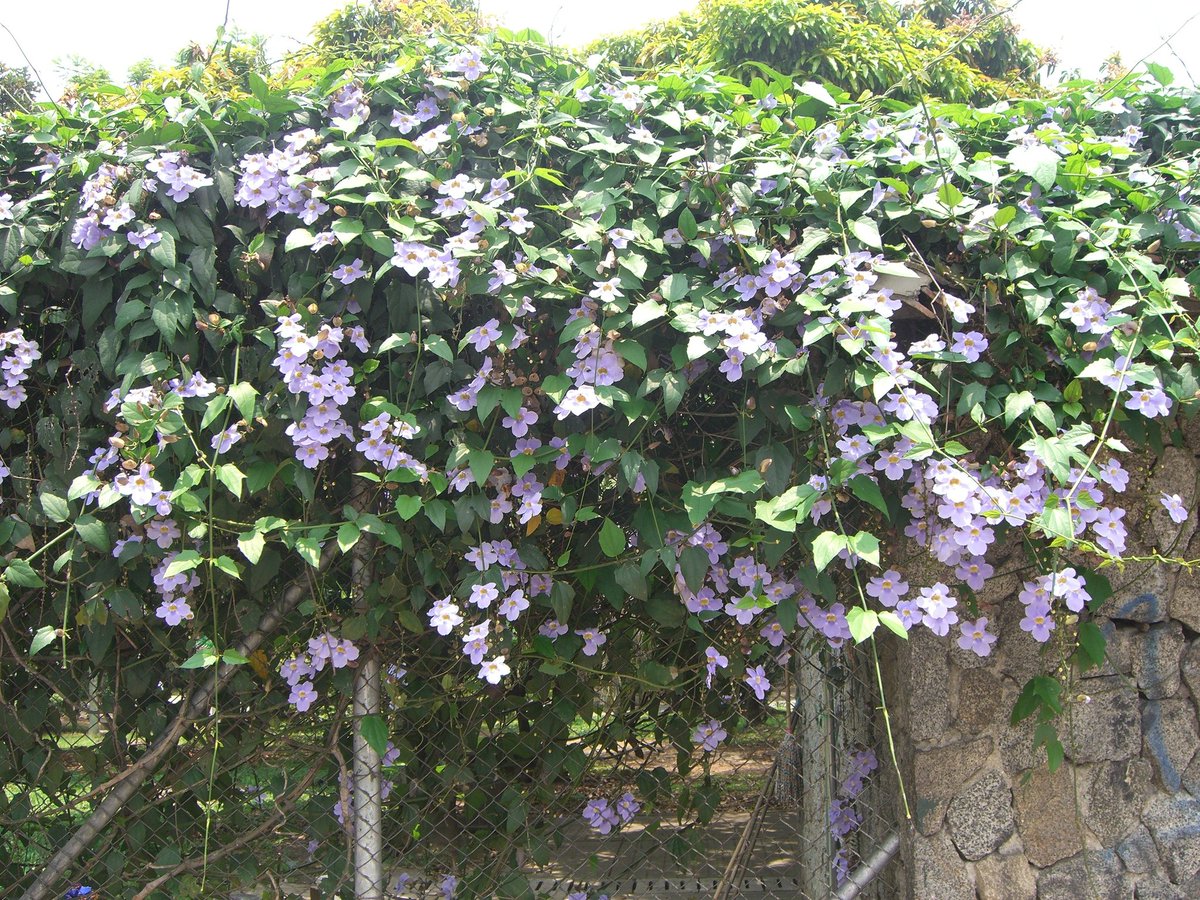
[{"x": 1083, "y": 32}]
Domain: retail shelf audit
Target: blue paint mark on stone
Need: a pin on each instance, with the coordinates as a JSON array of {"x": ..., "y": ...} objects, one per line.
[
  {"x": 1133, "y": 609},
  {"x": 1156, "y": 741}
]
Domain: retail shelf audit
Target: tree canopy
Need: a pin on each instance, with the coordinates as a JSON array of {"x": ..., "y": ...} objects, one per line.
[{"x": 965, "y": 50}]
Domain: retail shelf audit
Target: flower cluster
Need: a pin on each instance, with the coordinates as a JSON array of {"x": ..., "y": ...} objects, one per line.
[
  {"x": 844, "y": 818},
  {"x": 272, "y": 182},
  {"x": 299, "y": 670},
  {"x": 17, "y": 356},
  {"x": 604, "y": 818}
]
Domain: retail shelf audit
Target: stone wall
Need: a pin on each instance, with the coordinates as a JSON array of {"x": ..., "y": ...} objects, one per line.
[{"x": 1121, "y": 817}]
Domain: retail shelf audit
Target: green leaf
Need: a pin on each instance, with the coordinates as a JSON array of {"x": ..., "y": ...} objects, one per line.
[
  {"x": 228, "y": 566},
  {"x": 1037, "y": 161},
  {"x": 866, "y": 546},
  {"x": 243, "y": 395},
  {"x": 1004, "y": 215},
  {"x": 230, "y": 476},
  {"x": 202, "y": 658},
  {"x": 612, "y": 539},
  {"x": 251, "y": 544},
  {"x": 408, "y": 505},
  {"x": 184, "y": 561},
  {"x": 868, "y": 232},
  {"x": 687, "y": 224},
  {"x": 42, "y": 638},
  {"x": 647, "y": 311},
  {"x": 436, "y": 344},
  {"x": 1161, "y": 73},
  {"x": 93, "y": 532},
  {"x": 1091, "y": 646},
  {"x": 216, "y": 405},
  {"x": 694, "y": 564},
  {"x": 865, "y": 489},
  {"x": 826, "y": 546},
  {"x": 1017, "y": 404},
  {"x": 631, "y": 579},
  {"x": 56, "y": 508},
  {"x": 862, "y": 622},
  {"x": 655, "y": 673},
  {"x": 347, "y": 536},
  {"x": 892, "y": 623},
  {"x": 481, "y": 462},
  {"x": 374, "y": 732},
  {"x": 674, "y": 287},
  {"x": 232, "y": 657},
  {"x": 22, "y": 574},
  {"x": 298, "y": 238}
]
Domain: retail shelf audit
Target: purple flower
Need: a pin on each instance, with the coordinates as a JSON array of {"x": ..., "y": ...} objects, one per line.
[
  {"x": 975, "y": 636},
  {"x": 936, "y": 601},
  {"x": 348, "y": 274},
  {"x": 1110, "y": 532},
  {"x": 517, "y": 222},
  {"x": 593, "y": 640},
  {"x": 303, "y": 696},
  {"x": 709, "y": 735},
  {"x": 1038, "y": 622},
  {"x": 756, "y": 680},
  {"x": 714, "y": 660},
  {"x": 1150, "y": 402},
  {"x": 147, "y": 237},
  {"x": 970, "y": 344},
  {"x": 1173, "y": 504},
  {"x": 492, "y": 670},
  {"x": 598, "y": 814},
  {"x": 888, "y": 588},
  {"x": 172, "y": 612}
]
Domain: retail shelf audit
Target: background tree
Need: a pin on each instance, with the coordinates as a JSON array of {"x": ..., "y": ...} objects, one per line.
[
  {"x": 17, "y": 89},
  {"x": 953, "y": 49}
]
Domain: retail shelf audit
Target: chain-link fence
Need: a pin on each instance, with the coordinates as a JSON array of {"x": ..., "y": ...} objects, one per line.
[{"x": 628, "y": 799}]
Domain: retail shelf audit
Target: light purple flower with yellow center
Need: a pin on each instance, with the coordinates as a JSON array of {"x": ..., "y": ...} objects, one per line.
[
  {"x": 493, "y": 670},
  {"x": 349, "y": 273},
  {"x": 709, "y": 735},
  {"x": 1038, "y": 622},
  {"x": 517, "y": 221},
  {"x": 756, "y": 680},
  {"x": 172, "y": 612},
  {"x": 593, "y": 640},
  {"x": 1149, "y": 401},
  {"x": 163, "y": 532},
  {"x": 303, "y": 696},
  {"x": 1173, "y": 504},
  {"x": 975, "y": 636}
]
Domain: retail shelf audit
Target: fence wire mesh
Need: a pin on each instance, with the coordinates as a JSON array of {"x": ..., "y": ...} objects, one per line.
[{"x": 257, "y": 802}]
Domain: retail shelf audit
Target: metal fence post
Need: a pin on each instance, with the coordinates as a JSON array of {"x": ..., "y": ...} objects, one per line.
[{"x": 367, "y": 768}]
